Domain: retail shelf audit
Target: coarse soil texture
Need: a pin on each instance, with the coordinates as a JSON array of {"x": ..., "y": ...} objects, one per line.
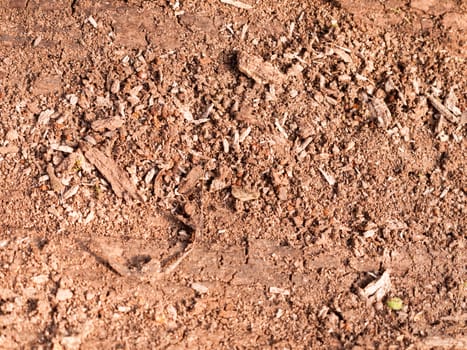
[{"x": 228, "y": 174}]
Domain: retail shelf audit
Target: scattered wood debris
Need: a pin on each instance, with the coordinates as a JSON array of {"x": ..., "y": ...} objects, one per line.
[
  {"x": 117, "y": 178},
  {"x": 111, "y": 124},
  {"x": 445, "y": 112},
  {"x": 257, "y": 69},
  {"x": 376, "y": 290},
  {"x": 238, "y": 4}
]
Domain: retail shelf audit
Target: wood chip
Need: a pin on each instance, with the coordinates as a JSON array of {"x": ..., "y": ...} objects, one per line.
[
  {"x": 257, "y": 69},
  {"x": 244, "y": 194},
  {"x": 276, "y": 290},
  {"x": 446, "y": 113},
  {"x": 328, "y": 177},
  {"x": 380, "y": 112},
  {"x": 239, "y": 4},
  {"x": 379, "y": 288},
  {"x": 451, "y": 101},
  {"x": 55, "y": 182},
  {"x": 199, "y": 288},
  {"x": 191, "y": 180},
  {"x": 445, "y": 342},
  {"x": 9, "y": 149},
  {"x": 344, "y": 56},
  {"x": 71, "y": 192},
  {"x": 62, "y": 148},
  {"x": 45, "y": 116},
  {"x": 111, "y": 124},
  {"x": 116, "y": 176}
]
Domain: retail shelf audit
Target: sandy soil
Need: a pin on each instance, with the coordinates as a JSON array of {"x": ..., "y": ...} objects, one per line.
[{"x": 233, "y": 174}]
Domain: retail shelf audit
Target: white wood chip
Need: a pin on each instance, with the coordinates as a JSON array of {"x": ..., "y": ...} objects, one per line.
[
  {"x": 300, "y": 148},
  {"x": 62, "y": 148},
  {"x": 149, "y": 176},
  {"x": 89, "y": 217},
  {"x": 328, "y": 177},
  {"x": 44, "y": 116},
  {"x": 71, "y": 192},
  {"x": 379, "y": 288},
  {"x": 92, "y": 21},
  {"x": 244, "y": 135},
  {"x": 281, "y": 129},
  {"x": 199, "y": 288},
  {"x": 225, "y": 145},
  {"x": 277, "y": 290},
  {"x": 238, "y": 4}
]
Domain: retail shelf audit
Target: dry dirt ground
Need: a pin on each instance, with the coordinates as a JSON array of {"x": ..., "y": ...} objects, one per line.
[{"x": 227, "y": 175}]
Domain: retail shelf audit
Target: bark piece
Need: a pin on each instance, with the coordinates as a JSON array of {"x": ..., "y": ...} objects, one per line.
[
  {"x": 55, "y": 182},
  {"x": 380, "y": 112},
  {"x": 111, "y": 124},
  {"x": 244, "y": 194},
  {"x": 9, "y": 149},
  {"x": 116, "y": 176},
  {"x": 191, "y": 180},
  {"x": 257, "y": 69}
]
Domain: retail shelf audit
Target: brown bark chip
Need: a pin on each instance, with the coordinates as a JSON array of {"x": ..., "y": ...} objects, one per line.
[{"x": 118, "y": 179}]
